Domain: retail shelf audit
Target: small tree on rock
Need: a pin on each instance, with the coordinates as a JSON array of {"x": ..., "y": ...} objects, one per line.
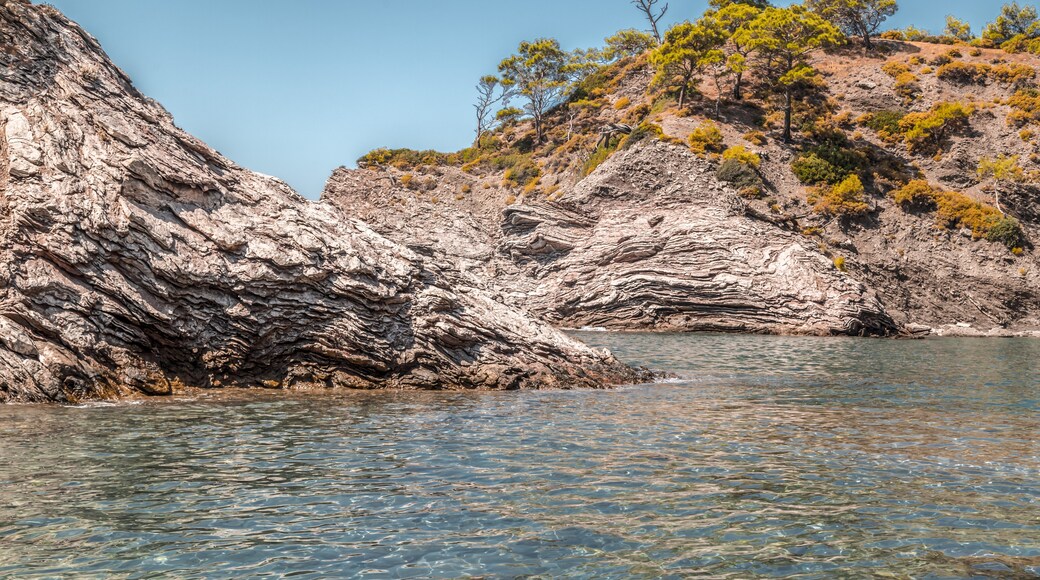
[
  {"x": 1005, "y": 171},
  {"x": 490, "y": 93},
  {"x": 540, "y": 72}
]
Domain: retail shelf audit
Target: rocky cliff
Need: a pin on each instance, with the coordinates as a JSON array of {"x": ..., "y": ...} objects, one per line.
[
  {"x": 656, "y": 238},
  {"x": 646, "y": 242},
  {"x": 138, "y": 260}
]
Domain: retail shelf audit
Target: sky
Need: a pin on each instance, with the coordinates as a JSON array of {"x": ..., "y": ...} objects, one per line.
[{"x": 296, "y": 88}]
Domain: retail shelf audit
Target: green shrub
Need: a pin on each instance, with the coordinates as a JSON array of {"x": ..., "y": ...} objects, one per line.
[
  {"x": 642, "y": 132},
  {"x": 844, "y": 199},
  {"x": 906, "y": 85},
  {"x": 1025, "y": 107},
  {"x": 519, "y": 168},
  {"x": 955, "y": 209},
  {"x": 707, "y": 138},
  {"x": 885, "y": 123},
  {"x": 739, "y": 153},
  {"x": 928, "y": 131},
  {"x": 958, "y": 210},
  {"x": 1004, "y": 168},
  {"x": 1007, "y": 231},
  {"x": 407, "y": 158},
  {"x": 917, "y": 192},
  {"x": 831, "y": 161},
  {"x": 1013, "y": 74},
  {"x": 755, "y": 138},
  {"x": 597, "y": 158},
  {"x": 740, "y": 175},
  {"x": 895, "y": 68},
  {"x": 813, "y": 169},
  {"x": 662, "y": 103},
  {"x": 963, "y": 73}
]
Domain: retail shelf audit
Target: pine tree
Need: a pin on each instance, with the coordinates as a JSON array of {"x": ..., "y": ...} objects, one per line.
[
  {"x": 784, "y": 39},
  {"x": 860, "y": 18},
  {"x": 540, "y": 73}
]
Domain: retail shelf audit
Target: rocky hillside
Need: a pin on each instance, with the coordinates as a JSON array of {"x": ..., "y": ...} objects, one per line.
[
  {"x": 698, "y": 221},
  {"x": 138, "y": 260}
]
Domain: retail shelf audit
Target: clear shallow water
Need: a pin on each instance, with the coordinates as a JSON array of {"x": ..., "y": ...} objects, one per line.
[{"x": 776, "y": 457}]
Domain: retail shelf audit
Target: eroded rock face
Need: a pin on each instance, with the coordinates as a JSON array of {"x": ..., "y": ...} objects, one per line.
[
  {"x": 648, "y": 241},
  {"x": 136, "y": 259}
]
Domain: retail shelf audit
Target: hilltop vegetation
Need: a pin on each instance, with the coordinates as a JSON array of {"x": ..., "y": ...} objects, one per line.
[{"x": 748, "y": 81}]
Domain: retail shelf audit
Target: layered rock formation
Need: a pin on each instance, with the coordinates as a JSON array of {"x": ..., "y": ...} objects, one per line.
[
  {"x": 650, "y": 240},
  {"x": 138, "y": 260}
]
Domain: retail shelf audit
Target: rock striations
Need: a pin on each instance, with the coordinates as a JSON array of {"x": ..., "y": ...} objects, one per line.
[
  {"x": 642, "y": 243},
  {"x": 138, "y": 260}
]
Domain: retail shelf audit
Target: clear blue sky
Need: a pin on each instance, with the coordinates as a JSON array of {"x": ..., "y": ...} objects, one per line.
[{"x": 296, "y": 88}]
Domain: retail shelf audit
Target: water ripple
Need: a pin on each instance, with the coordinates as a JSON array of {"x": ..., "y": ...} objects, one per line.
[{"x": 776, "y": 457}]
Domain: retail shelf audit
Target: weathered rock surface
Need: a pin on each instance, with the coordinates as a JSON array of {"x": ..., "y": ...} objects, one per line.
[
  {"x": 650, "y": 240},
  {"x": 136, "y": 259}
]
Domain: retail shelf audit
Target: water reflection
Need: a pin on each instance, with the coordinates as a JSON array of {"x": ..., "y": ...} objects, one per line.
[{"x": 774, "y": 457}]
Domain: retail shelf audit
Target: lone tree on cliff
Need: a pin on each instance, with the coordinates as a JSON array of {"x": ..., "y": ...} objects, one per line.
[
  {"x": 540, "y": 72},
  {"x": 653, "y": 15},
  {"x": 861, "y": 18},
  {"x": 490, "y": 93},
  {"x": 784, "y": 39}
]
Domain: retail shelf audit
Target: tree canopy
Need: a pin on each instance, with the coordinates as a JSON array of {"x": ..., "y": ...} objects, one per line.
[
  {"x": 784, "y": 39},
  {"x": 958, "y": 29},
  {"x": 683, "y": 54},
  {"x": 860, "y": 18},
  {"x": 1014, "y": 20},
  {"x": 540, "y": 72},
  {"x": 730, "y": 17},
  {"x": 627, "y": 43}
]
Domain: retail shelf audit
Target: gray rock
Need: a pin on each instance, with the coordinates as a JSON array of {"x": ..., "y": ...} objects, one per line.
[
  {"x": 636, "y": 245},
  {"x": 138, "y": 260}
]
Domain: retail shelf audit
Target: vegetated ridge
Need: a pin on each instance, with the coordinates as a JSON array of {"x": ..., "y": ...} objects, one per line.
[{"x": 718, "y": 179}]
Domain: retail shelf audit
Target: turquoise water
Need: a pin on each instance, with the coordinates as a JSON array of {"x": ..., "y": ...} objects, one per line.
[{"x": 774, "y": 457}]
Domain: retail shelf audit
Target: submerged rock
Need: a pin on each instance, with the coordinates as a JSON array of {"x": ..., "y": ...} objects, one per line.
[{"x": 138, "y": 260}]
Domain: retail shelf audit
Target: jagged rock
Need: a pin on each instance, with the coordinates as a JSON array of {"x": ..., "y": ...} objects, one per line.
[
  {"x": 138, "y": 260},
  {"x": 640, "y": 244}
]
